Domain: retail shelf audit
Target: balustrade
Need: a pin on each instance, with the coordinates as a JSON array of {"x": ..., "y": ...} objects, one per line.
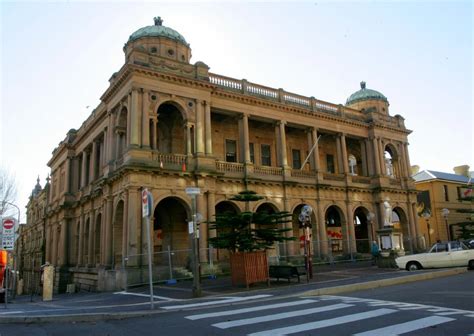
[
  {"x": 233, "y": 167},
  {"x": 264, "y": 170}
]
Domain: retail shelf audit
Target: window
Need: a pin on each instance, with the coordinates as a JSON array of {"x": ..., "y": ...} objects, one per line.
[
  {"x": 266, "y": 155},
  {"x": 330, "y": 163},
  {"x": 445, "y": 192},
  {"x": 296, "y": 155},
  {"x": 230, "y": 151},
  {"x": 252, "y": 152}
]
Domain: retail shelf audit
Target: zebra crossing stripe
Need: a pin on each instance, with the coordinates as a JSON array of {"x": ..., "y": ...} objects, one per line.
[
  {"x": 247, "y": 310},
  {"x": 266, "y": 318},
  {"x": 402, "y": 328},
  {"x": 324, "y": 323},
  {"x": 210, "y": 303}
]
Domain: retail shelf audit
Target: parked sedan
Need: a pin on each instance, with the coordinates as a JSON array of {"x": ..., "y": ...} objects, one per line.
[{"x": 447, "y": 254}]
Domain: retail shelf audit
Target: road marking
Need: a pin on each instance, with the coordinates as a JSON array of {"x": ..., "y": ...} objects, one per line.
[
  {"x": 402, "y": 328},
  {"x": 324, "y": 323},
  {"x": 248, "y": 310},
  {"x": 267, "y": 318},
  {"x": 210, "y": 303},
  {"x": 148, "y": 295},
  {"x": 12, "y": 312}
]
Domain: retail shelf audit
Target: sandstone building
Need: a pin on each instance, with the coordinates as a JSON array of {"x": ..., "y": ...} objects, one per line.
[{"x": 167, "y": 124}]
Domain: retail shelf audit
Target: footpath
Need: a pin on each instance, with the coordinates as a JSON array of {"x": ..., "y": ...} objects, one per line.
[{"x": 135, "y": 302}]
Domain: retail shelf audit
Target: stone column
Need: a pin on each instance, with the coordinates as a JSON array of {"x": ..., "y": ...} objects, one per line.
[
  {"x": 284, "y": 158},
  {"x": 407, "y": 158},
  {"x": 411, "y": 226},
  {"x": 108, "y": 230},
  {"x": 245, "y": 130},
  {"x": 208, "y": 129},
  {"x": 145, "y": 129},
  {"x": 322, "y": 230},
  {"x": 131, "y": 224},
  {"x": 350, "y": 228},
  {"x": 211, "y": 216},
  {"x": 363, "y": 158},
  {"x": 415, "y": 222},
  {"x": 345, "y": 163},
  {"x": 369, "y": 158},
  {"x": 134, "y": 115},
  {"x": 54, "y": 252},
  {"x": 80, "y": 253},
  {"x": 376, "y": 156},
  {"x": 84, "y": 169},
  {"x": 278, "y": 145},
  {"x": 383, "y": 170},
  {"x": 188, "y": 139},
  {"x": 340, "y": 164},
  {"x": 317, "y": 164},
  {"x": 63, "y": 251},
  {"x": 110, "y": 153},
  {"x": 199, "y": 129},
  {"x": 90, "y": 243},
  {"x": 93, "y": 161}
]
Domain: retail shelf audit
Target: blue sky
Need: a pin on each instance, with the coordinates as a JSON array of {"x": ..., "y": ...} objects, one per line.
[{"x": 57, "y": 57}]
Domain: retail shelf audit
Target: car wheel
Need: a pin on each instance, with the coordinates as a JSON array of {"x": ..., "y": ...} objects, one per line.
[
  {"x": 470, "y": 265},
  {"x": 413, "y": 266}
]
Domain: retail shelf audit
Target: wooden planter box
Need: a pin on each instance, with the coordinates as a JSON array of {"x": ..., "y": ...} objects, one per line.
[{"x": 248, "y": 268}]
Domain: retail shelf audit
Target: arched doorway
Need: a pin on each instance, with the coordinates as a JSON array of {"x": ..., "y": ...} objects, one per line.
[
  {"x": 117, "y": 234},
  {"x": 297, "y": 247},
  {"x": 400, "y": 221},
  {"x": 170, "y": 231},
  {"x": 333, "y": 219},
  {"x": 273, "y": 253},
  {"x": 171, "y": 135},
  {"x": 361, "y": 229},
  {"x": 221, "y": 208}
]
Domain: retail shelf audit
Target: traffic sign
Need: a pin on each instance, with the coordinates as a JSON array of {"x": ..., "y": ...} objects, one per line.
[
  {"x": 193, "y": 191},
  {"x": 8, "y": 223}
]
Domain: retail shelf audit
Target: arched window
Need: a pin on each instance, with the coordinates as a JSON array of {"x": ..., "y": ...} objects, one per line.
[
  {"x": 352, "y": 165},
  {"x": 389, "y": 164}
]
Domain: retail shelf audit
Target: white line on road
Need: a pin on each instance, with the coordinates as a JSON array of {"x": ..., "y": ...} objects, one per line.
[
  {"x": 148, "y": 295},
  {"x": 210, "y": 303},
  {"x": 324, "y": 323},
  {"x": 248, "y": 310},
  {"x": 401, "y": 328},
  {"x": 274, "y": 317}
]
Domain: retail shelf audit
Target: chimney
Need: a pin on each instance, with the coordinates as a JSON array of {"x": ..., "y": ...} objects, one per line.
[
  {"x": 462, "y": 170},
  {"x": 415, "y": 169}
]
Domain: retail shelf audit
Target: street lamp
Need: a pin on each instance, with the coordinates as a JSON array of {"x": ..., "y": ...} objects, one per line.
[
  {"x": 427, "y": 215},
  {"x": 445, "y": 213}
]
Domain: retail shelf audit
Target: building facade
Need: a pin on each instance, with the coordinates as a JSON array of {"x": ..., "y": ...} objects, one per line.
[
  {"x": 445, "y": 207},
  {"x": 166, "y": 124}
]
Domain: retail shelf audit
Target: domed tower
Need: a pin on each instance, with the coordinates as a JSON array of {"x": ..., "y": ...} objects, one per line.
[
  {"x": 368, "y": 100},
  {"x": 160, "y": 41}
]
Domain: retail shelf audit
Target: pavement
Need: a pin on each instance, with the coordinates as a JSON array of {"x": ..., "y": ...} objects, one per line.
[{"x": 135, "y": 302}]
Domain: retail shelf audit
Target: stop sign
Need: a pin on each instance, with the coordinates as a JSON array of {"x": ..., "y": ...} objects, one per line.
[{"x": 8, "y": 224}]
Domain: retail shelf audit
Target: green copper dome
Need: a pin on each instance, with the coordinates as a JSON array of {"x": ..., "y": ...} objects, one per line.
[
  {"x": 158, "y": 30},
  {"x": 365, "y": 94}
]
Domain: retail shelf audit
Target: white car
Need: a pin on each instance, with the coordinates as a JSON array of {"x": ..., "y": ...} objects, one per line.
[{"x": 446, "y": 254}]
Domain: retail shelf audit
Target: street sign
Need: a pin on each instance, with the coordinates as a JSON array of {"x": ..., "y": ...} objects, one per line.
[
  {"x": 193, "y": 191},
  {"x": 8, "y": 234},
  {"x": 147, "y": 203},
  {"x": 8, "y": 223}
]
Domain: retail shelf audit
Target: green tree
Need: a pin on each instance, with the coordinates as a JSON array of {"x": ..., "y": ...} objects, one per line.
[{"x": 249, "y": 231}]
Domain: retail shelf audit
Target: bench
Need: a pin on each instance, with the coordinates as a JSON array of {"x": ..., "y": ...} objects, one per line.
[{"x": 286, "y": 271}]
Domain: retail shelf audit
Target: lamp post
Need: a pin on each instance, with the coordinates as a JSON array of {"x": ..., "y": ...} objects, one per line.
[
  {"x": 445, "y": 213},
  {"x": 427, "y": 215}
]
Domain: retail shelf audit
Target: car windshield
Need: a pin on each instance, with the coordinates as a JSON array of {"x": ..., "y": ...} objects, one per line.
[{"x": 439, "y": 247}]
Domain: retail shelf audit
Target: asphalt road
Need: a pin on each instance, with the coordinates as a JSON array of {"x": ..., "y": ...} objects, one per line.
[{"x": 443, "y": 306}]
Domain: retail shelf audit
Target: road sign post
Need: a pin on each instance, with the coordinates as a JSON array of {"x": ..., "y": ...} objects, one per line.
[
  {"x": 193, "y": 192},
  {"x": 147, "y": 205}
]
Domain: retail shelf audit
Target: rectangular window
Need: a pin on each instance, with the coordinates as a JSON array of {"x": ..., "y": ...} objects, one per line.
[
  {"x": 445, "y": 192},
  {"x": 266, "y": 155},
  {"x": 252, "y": 152},
  {"x": 296, "y": 155},
  {"x": 330, "y": 163},
  {"x": 230, "y": 151}
]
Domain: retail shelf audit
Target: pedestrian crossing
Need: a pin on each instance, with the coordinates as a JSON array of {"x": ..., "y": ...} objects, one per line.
[{"x": 360, "y": 317}]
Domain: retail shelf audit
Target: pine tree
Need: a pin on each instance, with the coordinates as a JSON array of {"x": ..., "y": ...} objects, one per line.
[{"x": 249, "y": 231}]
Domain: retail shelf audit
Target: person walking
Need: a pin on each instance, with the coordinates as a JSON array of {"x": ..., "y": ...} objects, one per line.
[{"x": 375, "y": 251}]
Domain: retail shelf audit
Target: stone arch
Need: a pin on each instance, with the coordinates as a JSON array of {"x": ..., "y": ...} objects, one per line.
[
  {"x": 170, "y": 131},
  {"x": 227, "y": 206},
  {"x": 170, "y": 230},
  {"x": 334, "y": 220},
  {"x": 265, "y": 205},
  {"x": 117, "y": 233},
  {"x": 299, "y": 232}
]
